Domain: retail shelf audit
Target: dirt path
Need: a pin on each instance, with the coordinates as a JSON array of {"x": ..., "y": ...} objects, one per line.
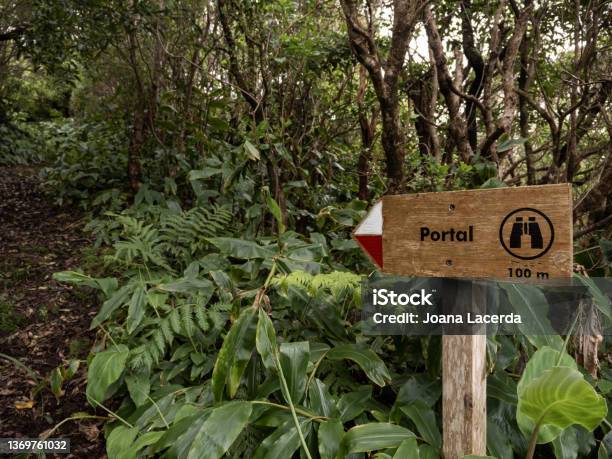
[{"x": 43, "y": 324}]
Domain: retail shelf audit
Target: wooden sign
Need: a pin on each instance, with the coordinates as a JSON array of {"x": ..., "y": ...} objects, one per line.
[{"x": 522, "y": 233}]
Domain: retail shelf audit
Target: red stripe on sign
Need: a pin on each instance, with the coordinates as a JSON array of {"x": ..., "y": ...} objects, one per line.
[{"x": 373, "y": 246}]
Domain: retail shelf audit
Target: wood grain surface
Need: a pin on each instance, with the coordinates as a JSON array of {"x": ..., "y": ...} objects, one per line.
[{"x": 405, "y": 216}]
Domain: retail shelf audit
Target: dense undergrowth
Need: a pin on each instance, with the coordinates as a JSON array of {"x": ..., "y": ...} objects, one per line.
[{"x": 218, "y": 338}]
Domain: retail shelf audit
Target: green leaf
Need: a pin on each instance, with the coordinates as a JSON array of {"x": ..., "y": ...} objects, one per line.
[
  {"x": 284, "y": 441},
  {"x": 425, "y": 420},
  {"x": 139, "y": 387},
  {"x": 105, "y": 369},
  {"x": 118, "y": 299},
  {"x": 374, "y": 436},
  {"x": 203, "y": 174},
  {"x": 320, "y": 401},
  {"x": 71, "y": 369},
  {"x": 510, "y": 143},
  {"x": 366, "y": 358},
  {"x": 352, "y": 404},
  {"x": 407, "y": 449},
  {"x": 419, "y": 387},
  {"x": 251, "y": 151},
  {"x": 599, "y": 298},
  {"x": 561, "y": 397},
  {"x": 498, "y": 442},
  {"x": 532, "y": 305},
  {"x": 330, "y": 435},
  {"x": 472, "y": 456},
  {"x": 55, "y": 381},
  {"x": 266, "y": 340},
  {"x": 120, "y": 440},
  {"x": 605, "y": 447},
  {"x": 294, "y": 362},
  {"x": 566, "y": 445},
  {"x": 136, "y": 310},
  {"x": 187, "y": 285},
  {"x": 276, "y": 211},
  {"x": 429, "y": 452},
  {"x": 544, "y": 359},
  {"x": 241, "y": 248},
  {"x": 147, "y": 439},
  {"x": 242, "y": 355},
  {"x": 220, "y": 430},
  {"x": 239, "y": 341}
]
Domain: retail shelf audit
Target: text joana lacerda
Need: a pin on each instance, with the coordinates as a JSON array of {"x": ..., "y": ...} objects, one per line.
[{"x": 394, "y": 305}]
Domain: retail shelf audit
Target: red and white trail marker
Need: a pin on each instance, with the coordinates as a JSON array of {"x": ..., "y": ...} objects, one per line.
[{"x": 369, "y": 234}]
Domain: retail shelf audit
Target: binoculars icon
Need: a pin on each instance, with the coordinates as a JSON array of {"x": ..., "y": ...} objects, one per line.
[{"x": 522, "y": 228}]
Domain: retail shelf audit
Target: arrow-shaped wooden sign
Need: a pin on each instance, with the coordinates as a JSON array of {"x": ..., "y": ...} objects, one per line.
[{"x": 522, "y": 233}]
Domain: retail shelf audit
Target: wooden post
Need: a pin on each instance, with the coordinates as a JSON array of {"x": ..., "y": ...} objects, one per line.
[{"x": 464, "y": 395}]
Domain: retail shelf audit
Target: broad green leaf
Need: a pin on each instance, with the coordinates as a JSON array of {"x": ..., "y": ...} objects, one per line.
[
  {"x": 71, "y": 369},
  {"x": 425, "y": 420},
  {"x": 276, "y": 212},
  {"x": 510, "y": 143},
  {"x": 472, "y": 456},
  {"x": 544, "y": 359},
  {"x": 330, "y": 435},
  {"x": 498, "y": 442},
  {"x": 120, "y": 440},
  {"x": 73, "y": 277},
  {"x": 242, "y": 355},
  {"x": 407, "y": 449},
  {"x": 106, "y": 284},
  {"x": 601, "y": 300},
  {"x": 147, "y": 439},
  {"x": 220, "y": 430},
  {"x": 320, "y": 401},
  {"x": 374, "y": 436},
  {"x": 428, "y": 452},
  {"x": 284, "y": 441},
  {"x": 136, "y": 309},
  {"x": 503, "y": 387},
  {"x": 294, "y": 362},
  {"x": 187, "y": 285},
  {"x": 242, "y": 248},
  {"x": 419, "y": 387},
  {"x": 203, "y": 174},
  {"x": 566, "y": 445},
  {"x": 105, "y": 369},
  {"x": 251, "y": 151},
  {"x": 561, "y": 397},
  {"x": 179, "y": 437},
  {"x": 139, "y": 387},
  {"x": 55, "y": 381},
  {"x": 532, "y": 305},
  {"x": 118, "y": 299},
  {"x": 230, "y": 363},
  {"x": 352, "y": 404},
  {"x": 266, "y": 340},
  {"x": 605, "y": 447},
  {"x": 366, "y": 358}
]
